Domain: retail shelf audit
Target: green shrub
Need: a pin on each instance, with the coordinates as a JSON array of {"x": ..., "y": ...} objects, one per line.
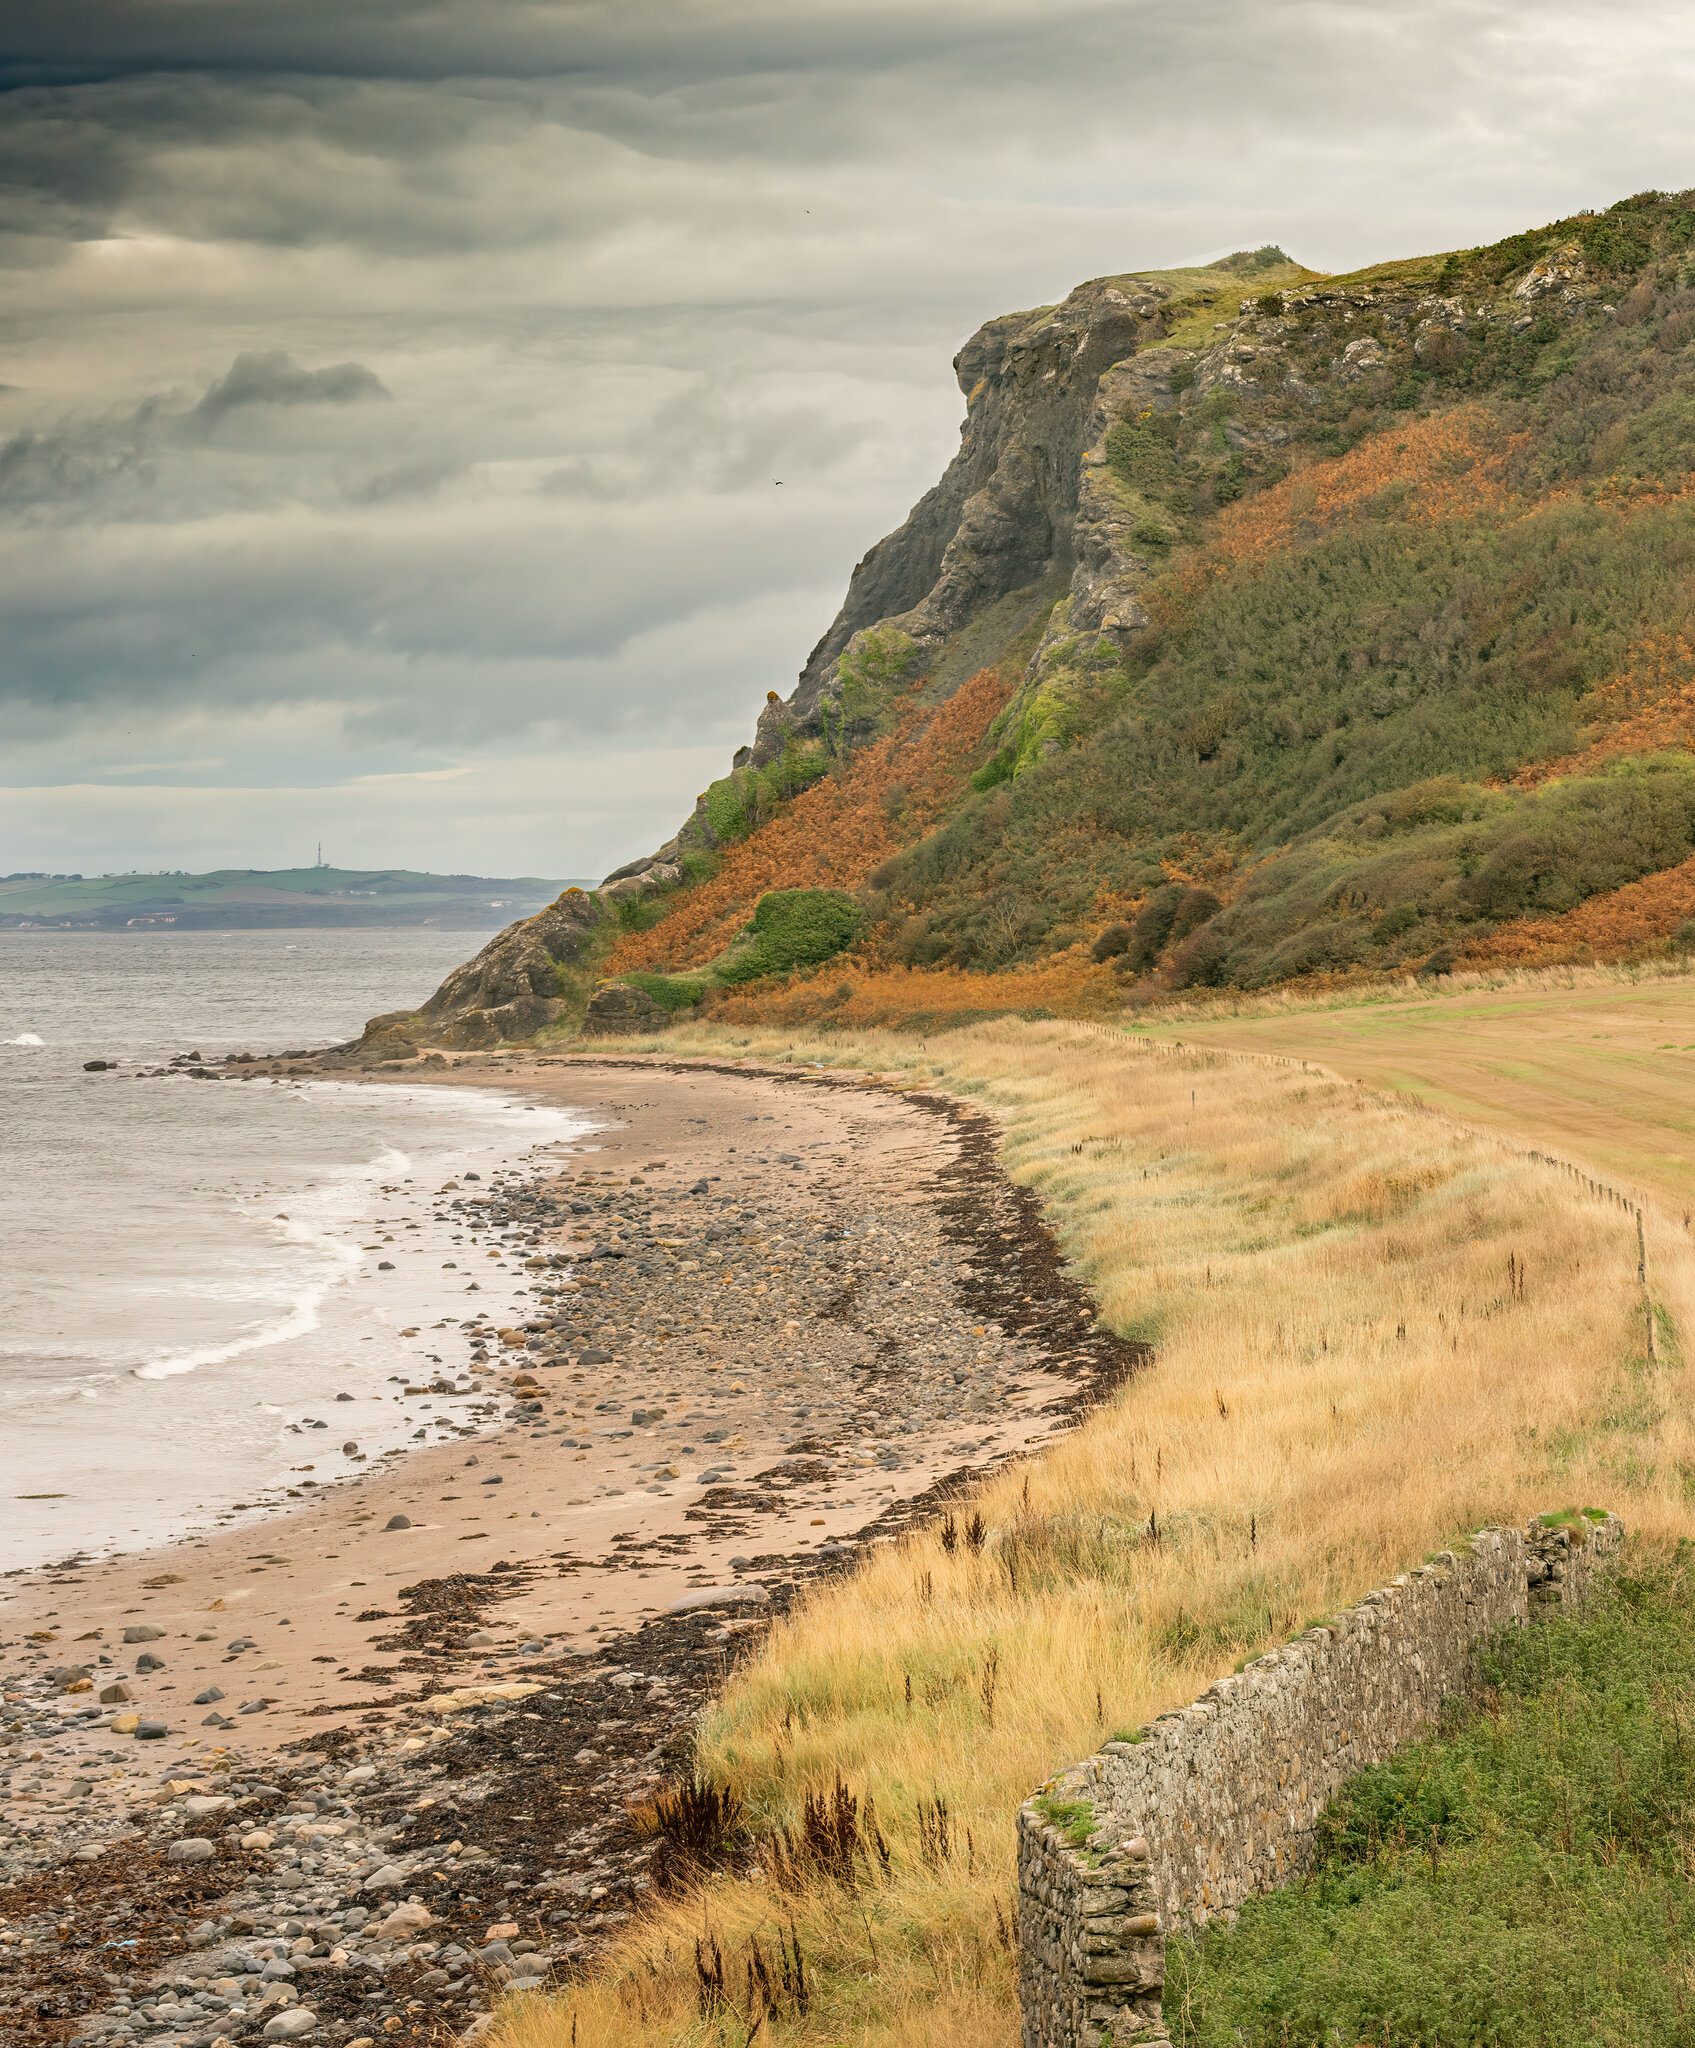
[
  {"x": 1111, "y": 942},
  {"x": 1153, "y": 927},
  {"x": 792, "y": 928}
]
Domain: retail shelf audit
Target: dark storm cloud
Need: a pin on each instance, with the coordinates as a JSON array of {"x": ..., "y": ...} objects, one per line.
[{"x": 79, "y": 40}]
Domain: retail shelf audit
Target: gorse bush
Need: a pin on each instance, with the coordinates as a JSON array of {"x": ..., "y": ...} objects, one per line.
[{"x": 1521, "y": 1883}]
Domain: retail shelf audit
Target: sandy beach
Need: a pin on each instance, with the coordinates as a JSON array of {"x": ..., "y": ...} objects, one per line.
[{"x": 774, "y": 1316}]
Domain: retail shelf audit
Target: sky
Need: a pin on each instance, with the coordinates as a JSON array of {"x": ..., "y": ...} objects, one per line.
[{"x": 431, "y": 426}]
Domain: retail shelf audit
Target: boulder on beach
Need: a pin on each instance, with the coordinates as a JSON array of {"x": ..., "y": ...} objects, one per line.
[{"x": 719, "y": 1596}]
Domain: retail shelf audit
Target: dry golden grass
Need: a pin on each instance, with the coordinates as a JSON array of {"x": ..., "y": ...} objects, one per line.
[
  {"x": 1594, "y": 1063},
  {"x": 1347, "y": 1376}
]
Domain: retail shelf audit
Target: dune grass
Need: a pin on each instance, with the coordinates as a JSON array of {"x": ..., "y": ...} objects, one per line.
[{"x": 1349, "y": 1374}]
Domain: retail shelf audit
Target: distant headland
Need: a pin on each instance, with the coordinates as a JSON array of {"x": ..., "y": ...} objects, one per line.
[{"x": 249, "y": 899}]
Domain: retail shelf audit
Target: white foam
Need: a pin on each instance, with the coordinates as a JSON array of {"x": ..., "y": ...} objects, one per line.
[{"x": 26, "y": 1038}]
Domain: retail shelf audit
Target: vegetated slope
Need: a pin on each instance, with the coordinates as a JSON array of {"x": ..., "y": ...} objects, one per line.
[
  {"x": 1377, "y": 622},
  {"x": 1345, "y": 627}
]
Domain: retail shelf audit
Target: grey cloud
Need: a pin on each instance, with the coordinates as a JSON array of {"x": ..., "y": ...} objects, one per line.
[
  {"x": 275, "y": 378},
  {"x": 422, "y": 478},
  {"x": 716, "y": 439},
  {"x": 99, "y": 464},
  {"x": 76, "y": 40}
]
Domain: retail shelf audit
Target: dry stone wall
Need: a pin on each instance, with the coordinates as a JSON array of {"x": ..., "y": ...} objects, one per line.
[{"x": 1221, "y": 1799}]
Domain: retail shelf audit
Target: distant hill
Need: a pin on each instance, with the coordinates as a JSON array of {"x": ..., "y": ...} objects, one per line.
[
  {"x": 1266, "y": 627},
  {"x": 247, "y": 899}
]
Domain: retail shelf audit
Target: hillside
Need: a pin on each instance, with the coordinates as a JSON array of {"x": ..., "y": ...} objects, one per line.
[
  {"x": 253, "y": 898},
  {"x": 1266, "y": 627}
]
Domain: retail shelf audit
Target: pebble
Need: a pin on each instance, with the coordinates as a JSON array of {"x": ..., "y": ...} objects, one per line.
[
  {"x": 899, "y": 1359},
  {"x": 192, "y": 1849}
]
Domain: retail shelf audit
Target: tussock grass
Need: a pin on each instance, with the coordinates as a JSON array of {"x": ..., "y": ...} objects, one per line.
[{"x": 1349, "y": 1375}]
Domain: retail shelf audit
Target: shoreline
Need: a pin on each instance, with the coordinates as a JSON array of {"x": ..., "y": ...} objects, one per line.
[
  {"x": 785, "y": 1314},
  {"x": 300, "y": 1402}
]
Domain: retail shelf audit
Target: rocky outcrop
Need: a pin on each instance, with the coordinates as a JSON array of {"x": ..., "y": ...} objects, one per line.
[
  {"x": 1004, "y": 515},
  {"x": 1005, "y": 510},
  {"x": 619, "y": 1010},
  {"x": 510, "y": 990}
]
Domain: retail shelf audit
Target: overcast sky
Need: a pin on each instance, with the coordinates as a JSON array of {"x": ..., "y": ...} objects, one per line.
[{"x": 393, "y": 395}]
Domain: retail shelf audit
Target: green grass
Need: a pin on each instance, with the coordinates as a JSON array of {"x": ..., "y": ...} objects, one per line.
[{"x": 1520, "y": 1882}]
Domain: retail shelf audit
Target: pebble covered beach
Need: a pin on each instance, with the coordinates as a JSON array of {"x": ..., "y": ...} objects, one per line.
[{"x": 350, "y": 1771}]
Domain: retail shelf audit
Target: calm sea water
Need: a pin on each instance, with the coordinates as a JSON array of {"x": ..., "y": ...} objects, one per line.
[{"x": 189, "y": 1270}]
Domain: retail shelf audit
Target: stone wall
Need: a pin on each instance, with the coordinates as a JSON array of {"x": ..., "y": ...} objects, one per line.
[{"x": 1221, "y": 1799}]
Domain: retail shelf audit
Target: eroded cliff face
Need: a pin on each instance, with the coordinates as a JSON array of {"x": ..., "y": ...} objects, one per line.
[
  {"x": 1004, "y": 513},
  {"x": 1026, "y": 501}
]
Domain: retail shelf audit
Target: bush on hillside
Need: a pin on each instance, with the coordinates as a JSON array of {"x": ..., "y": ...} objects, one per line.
[{"x": 792, "y": 928}]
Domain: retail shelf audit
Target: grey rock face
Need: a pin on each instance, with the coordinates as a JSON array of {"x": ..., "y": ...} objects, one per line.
[
  {"x": 507, "y": 991},
  {"x": 617, "y": 1010}
]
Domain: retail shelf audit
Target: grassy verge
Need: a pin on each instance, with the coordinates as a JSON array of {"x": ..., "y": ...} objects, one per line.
[
  {"x": 1350, "y": 1374},
  {"x": 1522, "y": 1883}
]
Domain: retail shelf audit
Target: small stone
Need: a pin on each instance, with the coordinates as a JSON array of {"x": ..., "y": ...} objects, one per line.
[
  {"x": 192, "y": 1849},
  {"x": 151, "y": 1731},
  {"x": 719, "y": 1596},
  {"x": 387, "y": 1879},
  {"x": 143, "y": 1632},
  {"x": 115, "y": 1694},
  {"x": 398, "y": 1522},
  {"x": 209, "y": 1697}
]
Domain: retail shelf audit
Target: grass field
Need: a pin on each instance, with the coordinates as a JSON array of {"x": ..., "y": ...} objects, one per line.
[
  {"x": 1375, "y": 1330},
  {"x": 1595, "y": 1065}
]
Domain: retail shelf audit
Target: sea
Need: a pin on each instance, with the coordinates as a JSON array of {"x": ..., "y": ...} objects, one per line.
[{"x": 192, "y": 1273}]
